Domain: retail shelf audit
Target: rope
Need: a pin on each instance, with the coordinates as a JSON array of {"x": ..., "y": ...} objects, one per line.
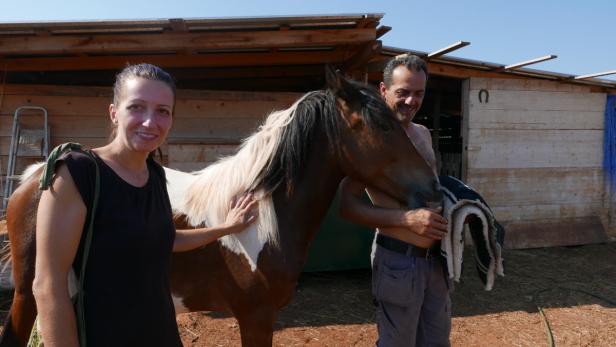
[
  {"x": 548, "y": 330},
  {"x": 44, "y": 183}
]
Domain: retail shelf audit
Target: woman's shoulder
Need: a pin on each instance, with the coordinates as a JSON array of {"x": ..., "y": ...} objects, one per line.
[
  {"x": 82, "y": 169},
  {"x": 78, "y": 162}
]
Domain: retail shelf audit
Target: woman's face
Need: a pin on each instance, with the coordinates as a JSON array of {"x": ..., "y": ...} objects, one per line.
[{"x": 144, "y": 114}]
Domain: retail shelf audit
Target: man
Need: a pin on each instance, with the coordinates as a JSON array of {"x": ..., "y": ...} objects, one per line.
[{"x": 409, "y": 283}]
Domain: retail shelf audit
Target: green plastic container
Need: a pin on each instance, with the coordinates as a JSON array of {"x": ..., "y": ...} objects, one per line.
[{"x": 339, "y": 244}]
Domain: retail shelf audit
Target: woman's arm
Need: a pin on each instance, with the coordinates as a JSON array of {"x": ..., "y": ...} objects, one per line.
[
  {"x": 59, "y": 222},
  {"x": 243, "y": 212}
]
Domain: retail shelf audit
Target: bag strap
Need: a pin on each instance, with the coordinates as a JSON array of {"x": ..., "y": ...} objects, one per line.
[{"x": 44, "y": 183}]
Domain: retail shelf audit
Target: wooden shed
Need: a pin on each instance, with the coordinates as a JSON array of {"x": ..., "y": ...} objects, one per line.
[{"x": 530, "y": 141}]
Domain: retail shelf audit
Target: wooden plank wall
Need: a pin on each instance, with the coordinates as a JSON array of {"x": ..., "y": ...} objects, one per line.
[
  {"x": 207, "y": 124},
  {"x": 534, "y": 150}
]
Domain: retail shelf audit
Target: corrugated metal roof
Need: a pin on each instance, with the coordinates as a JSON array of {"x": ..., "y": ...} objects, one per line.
[{"x": 494, "y": 67}]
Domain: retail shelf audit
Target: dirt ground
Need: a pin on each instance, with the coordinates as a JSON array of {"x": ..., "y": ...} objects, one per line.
[{"x": 574, "y": 286}]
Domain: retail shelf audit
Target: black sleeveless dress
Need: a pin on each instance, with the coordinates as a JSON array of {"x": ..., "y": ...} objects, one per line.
[{"x": 127, "y": 294}]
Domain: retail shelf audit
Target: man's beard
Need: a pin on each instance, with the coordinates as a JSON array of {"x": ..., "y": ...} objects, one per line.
[{"x": 405, "y": 117}]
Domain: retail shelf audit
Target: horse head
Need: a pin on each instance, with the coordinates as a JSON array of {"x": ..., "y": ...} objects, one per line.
[{"x": 374, "y": 148}]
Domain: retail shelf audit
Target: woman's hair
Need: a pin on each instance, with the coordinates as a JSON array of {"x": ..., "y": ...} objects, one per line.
[{"x": 143, "y": 70}]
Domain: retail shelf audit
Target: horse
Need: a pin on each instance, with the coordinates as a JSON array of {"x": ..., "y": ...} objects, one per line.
[{"x": 293, "y": 164}]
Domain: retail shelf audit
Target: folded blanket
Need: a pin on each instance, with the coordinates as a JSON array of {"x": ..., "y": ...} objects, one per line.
[{"x": 465, "y": 209}]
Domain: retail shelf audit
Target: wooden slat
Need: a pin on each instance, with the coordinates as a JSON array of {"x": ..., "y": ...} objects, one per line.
[
  {"x": 554, "y": 211},
  {"x": 243, "y": 72},
  {"x": 175, "y": 61},
  {"x": 538, "y": 101},
  {"x": 363, "y": 55},
  {"x": 494, "y": 148},
  {"x": 67, "y": 126},
  {"x": 526, "y": 84},
  {"x": 219, "y": 23},
  {"x": 382, "y": 30},
  {"x": 58, "y": 105},
  {"x": 53, "y": 90},
  {"x": 180, "y": 41},
  {"x": 539, "y": 186},
  {"x": 534, "y": 119},
  {"x": 62, "y": 126},
  {"x": 199, "y": 153},
  {"x": 190, "y": 157},
  {"x": 562, "y": 232},
  {"x": 220, "y": 128},
  {"x": 185, "y": 108}
]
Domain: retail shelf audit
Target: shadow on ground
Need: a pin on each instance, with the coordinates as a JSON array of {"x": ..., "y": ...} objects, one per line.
[{"x": 546, "y": 278}]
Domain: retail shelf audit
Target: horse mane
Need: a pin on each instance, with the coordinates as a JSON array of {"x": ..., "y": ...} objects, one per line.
[
  {"x": 207, "y": 200},
  {"x": 273, "y": 157}
]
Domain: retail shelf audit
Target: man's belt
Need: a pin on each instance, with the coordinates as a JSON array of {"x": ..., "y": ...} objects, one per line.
[{"x": 407, "y": 248}]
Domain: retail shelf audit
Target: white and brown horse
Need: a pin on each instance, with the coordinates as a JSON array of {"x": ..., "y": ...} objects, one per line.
[{"x": 294, "y": 164}]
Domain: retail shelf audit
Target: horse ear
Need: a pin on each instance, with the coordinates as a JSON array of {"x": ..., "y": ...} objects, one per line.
[{"x": 338, "y": 84}]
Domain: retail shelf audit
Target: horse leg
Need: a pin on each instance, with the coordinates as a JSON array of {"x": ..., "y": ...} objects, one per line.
[
  {"x": 23, "y": 309},
  {"x": 21, "y": 317},
  {"x": 19, "y": 321},
  {"x": 257, "y": 327}
]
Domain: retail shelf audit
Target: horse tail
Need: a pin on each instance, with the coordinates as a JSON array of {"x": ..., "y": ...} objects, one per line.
[
  {"x": 17, "y": 259},
  {"x": 6, "y": 283},
  {"x": 6, "y": 259}
]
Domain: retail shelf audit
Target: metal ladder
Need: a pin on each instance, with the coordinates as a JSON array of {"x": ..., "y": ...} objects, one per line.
[{"x": 25, "y": 142}]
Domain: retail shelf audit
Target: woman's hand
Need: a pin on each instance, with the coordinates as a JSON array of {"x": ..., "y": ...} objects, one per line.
[{"x": 244, "y": 211}]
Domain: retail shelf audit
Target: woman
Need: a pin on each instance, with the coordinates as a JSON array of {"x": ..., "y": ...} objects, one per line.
[{"x": 128, "y": 300}]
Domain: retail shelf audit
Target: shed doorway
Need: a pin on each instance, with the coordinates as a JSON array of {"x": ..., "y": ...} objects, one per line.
[{"x": 441, "y": 113}]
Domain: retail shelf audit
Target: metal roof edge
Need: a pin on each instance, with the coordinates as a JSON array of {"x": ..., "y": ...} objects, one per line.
[
  {"x": 488, "y": 66},
  {"x": 196, "y": 20}
]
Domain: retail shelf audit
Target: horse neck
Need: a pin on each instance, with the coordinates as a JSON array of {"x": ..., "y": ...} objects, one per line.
[{"x": 301, "y": 211}]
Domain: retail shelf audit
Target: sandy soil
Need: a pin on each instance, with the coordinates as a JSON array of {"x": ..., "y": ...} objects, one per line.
[{"x": 574, "y": 286}]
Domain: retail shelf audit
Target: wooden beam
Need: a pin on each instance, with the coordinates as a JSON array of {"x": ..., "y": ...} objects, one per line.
[
  {"x": 175, "y": 61},
  {"x": 593, "y": 75},
  {"x": 249, "y": 72},
  {"x": 376, "y": 67},
  {"x": 448, "y": 49},
  {"x": 72, "y": 44},
  {"x": 382, "y": 30},
  {"x": 178, "y": 25},
  {"x": 363, "y": 56},
  {"x": 462, "y": 72},
  {"x": 528, "y": 62}
]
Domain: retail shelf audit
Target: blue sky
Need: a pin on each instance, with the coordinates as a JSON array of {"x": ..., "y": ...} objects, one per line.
[{"x": 581, "y": 33}]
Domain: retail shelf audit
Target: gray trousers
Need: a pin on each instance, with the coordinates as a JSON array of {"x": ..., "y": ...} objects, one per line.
[{"x": 412, "y": 298}]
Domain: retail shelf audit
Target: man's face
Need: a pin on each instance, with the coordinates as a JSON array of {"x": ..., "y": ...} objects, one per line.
[{"x": 405, "y": 94}]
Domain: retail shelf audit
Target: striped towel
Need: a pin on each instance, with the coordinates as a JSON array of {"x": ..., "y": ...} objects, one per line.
[{"x": 464, "y": 208}]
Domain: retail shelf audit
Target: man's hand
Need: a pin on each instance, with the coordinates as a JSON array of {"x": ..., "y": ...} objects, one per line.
[{"x": 426, "y": 222}]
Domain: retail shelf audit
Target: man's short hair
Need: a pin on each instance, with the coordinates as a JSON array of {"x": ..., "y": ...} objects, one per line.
[{"x": 410, "y": 61}]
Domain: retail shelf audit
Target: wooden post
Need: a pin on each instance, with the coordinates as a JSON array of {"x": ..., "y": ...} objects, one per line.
[
  {"x": 436, "y": 126},
  {"x": 466, "y": 85}
]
